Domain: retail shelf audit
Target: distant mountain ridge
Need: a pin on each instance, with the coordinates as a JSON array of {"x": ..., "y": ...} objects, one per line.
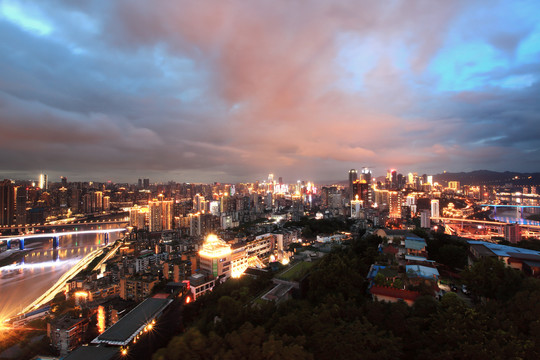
[{"x": 488, "y": 177}]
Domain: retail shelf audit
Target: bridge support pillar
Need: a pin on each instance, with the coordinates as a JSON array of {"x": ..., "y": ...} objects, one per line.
[
  {"x": 21, "y": 244},
  {"x": 495, "y": 210},
  {"x": 8, "y": 244},
  {"x": 56, "y": 242},
  {"x": 106, "y": 238}
]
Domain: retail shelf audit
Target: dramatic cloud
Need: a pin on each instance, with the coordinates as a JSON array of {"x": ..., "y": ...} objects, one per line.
[{"x": 232, "y": 90}]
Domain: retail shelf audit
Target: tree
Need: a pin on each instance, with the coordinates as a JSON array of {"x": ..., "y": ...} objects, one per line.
[{"x": 491, "y": 278}]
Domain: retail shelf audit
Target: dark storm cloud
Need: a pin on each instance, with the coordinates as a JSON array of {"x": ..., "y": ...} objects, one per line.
[{"x": 232, "y": 90}]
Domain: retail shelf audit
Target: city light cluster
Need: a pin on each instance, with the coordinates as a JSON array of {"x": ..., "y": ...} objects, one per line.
[{"x": 213, "y": 247}]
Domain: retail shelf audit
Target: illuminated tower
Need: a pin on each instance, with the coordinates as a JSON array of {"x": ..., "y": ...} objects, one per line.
[
  {"x": 366, "y": 175},
  {"x": 199, "y": 203},
  {"x": 215, "y": 257},
  {"x": 160, "y": 218},
  {"x": 362, "y": 189},
  {"x": 98, "y": 201},
  {"x": 43, "y": 183},
  {"x": 137, "y": 216},
  {"x": 435, "y": 208},
  {"x": 394, "y": 204}
]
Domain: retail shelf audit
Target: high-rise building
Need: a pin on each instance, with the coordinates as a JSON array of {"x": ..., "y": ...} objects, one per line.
[
  {"x": 98, "y": 201},
  {"x": 146, "y": 183},
  {"x": 75, "y": 199},
  {"x": 106, "y": 203},
  {"x": 512, "y": 233},
  {"x": 454, "y": 185},
  {"x": 425, "y": 221},
  {"x": 137, "y": 216},
  {"x": 43, "y": 183},
  {"x": 394, "y": 204},
  {"x": 435, "y": 208},
  {"x": 63, "y": 198},
  {"x": 199, "y": 203},
  {"x": 160, "y": 218},
  {"x": 203, "y": 224},
  {"x": 366, "y": 175},
  {"x": 362, "y": 189},
  {"x": 391, "y": 179},
  {"x": 20, "y": 205},
  {"x": 7, "y": 202},
  {"x": 353, "y": 176}
]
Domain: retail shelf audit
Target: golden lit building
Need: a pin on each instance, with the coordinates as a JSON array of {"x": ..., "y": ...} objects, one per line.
[
  {"x": 239, "y": 262},
  {"x": 137, "y": 216},
  {"x": 394, "y": 204},
  {"x": 160, "y": 218},
  {"x": 215, "y": 257}
]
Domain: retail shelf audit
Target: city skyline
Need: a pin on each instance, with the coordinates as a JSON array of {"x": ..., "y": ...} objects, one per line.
[{"x": 230, "y": 91}]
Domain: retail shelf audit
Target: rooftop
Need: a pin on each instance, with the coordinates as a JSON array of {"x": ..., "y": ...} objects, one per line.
[
  {"x": 127, "y": 327},
  {"x": 394, "y": 293},
  {"x": 504, "y": 250},
  {"x": 417, "y": 258},
  {"x": 425, "y": 272},
  {"x": 92, "y": 353},
  {"x": 415, "y": 244}
]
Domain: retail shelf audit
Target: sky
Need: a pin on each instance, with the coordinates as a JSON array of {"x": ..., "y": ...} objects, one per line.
[{"x": 232, "y": 90}]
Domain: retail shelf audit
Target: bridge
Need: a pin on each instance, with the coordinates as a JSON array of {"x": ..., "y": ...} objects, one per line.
[
  {"x": 519, "y": 208},
  {"x": 59, "y": 224},
  {"x": 56, "y": 236},
  {"x": 531, "y": 228},
  {"x": 511, "y": 206}
]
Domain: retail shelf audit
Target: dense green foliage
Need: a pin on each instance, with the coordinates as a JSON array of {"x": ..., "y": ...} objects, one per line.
[
  {"x": 313, "y": 227},
  {"x": 448, "y": 251},
  {"x": 337, "y": 320}
]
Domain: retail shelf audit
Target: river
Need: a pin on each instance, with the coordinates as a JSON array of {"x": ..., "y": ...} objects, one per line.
[{"x": 26, "y": 279}]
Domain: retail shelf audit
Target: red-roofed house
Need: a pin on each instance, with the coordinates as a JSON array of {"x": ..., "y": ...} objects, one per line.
[
  {"x": 390, "y": 250},
  {"x": 391, "y": 294}
]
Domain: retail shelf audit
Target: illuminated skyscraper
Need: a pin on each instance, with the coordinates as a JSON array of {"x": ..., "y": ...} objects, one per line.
[
  {"x": 160, "y": 218},
  {"x": 43, "y": 183},
  {"x": 435, "y": 208},
  {"x": 391, "y": 179},
  {"x": 394, "y": 204},
  {"x": 137, "y": 216},
  {"x": 366, "y": 175},
  {"x": 362, "y": 189},
  {"x": 98, "y": 201},
  {"x": 199, "y": 203}
]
